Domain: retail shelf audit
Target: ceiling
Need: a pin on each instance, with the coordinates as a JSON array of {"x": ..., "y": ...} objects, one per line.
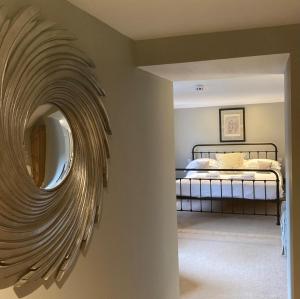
[
  {"x": 144, "y": 19},
  {"x": 231, "y": 91},
  {"x": 237, "y": 81},
  {"x": 221, "y": 68}
]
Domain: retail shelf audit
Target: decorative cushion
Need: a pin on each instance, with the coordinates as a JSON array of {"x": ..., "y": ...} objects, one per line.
[{"x": 231, "y": 160}]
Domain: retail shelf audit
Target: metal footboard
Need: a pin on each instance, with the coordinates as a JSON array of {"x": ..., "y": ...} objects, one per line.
[{"x": 228, "y": 204}]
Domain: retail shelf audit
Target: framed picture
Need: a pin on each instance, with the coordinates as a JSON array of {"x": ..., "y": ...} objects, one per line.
[{"x": 232, "y": 124}]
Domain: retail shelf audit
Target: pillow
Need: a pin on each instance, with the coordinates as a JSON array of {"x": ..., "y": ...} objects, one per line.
[
  {"x": 276, "y": 165},
  {"x": 214, "y": 164},
  {"x": 198, "y": 164},
  {"x": 251, "y": 164},
  {"x": 231, "y": 160},
  {"x": 262, "y": 164}
]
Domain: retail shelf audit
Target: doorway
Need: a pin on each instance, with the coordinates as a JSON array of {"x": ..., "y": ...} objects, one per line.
[{"x": 228, "y": 255}]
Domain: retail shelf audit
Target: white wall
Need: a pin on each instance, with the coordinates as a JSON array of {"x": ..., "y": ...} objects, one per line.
[
  {"x": 133, "y": 254},
  {"x": 264, "y": 123}
]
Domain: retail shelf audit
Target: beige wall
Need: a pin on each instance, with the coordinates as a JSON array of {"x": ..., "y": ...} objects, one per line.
[
  {"x": 264, "y": 123},
  {"x": 242, "y": 43},
  {"x": 288, "y": 161},
  {"x": 219, "y": 45},
  {"x": 133, "y": 254},
  {"x": 293, "y": 124}
]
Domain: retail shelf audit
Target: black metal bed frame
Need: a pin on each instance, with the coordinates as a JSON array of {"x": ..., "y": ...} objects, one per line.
[
  {"x": 223, "y": 200},
  {"x": 250, "y": 153}
]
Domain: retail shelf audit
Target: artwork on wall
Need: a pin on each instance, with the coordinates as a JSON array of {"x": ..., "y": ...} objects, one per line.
[
  {"x": 232, "y": 124},
  {"x": 49, "y": 202}
]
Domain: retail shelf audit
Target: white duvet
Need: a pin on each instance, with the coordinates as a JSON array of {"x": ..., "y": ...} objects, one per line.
[{"x": 191, "y": 185}]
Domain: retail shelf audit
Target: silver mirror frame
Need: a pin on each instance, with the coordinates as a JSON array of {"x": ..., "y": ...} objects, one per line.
[{"x": 42, "y": 232}]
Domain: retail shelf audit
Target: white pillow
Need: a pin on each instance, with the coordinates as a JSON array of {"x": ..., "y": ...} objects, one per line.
[
  {"x": 276, "y": 165},
  {"x": 251, "y": 164},
  {"x": 214, "y": 164},
  {"x": 262, "y": 164},
  {"x": 231, "y": 160},
  {"x": 198, "y": 164}
]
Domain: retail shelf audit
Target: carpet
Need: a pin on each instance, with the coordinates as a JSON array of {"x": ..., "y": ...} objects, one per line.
[{"x": 230, "y": 257}]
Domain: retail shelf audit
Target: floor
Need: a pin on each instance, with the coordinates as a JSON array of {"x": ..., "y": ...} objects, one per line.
[{"x": 230, "y": 257}]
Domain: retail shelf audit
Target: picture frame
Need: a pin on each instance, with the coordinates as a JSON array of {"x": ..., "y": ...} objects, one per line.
[{"x": 232, "y": 124}]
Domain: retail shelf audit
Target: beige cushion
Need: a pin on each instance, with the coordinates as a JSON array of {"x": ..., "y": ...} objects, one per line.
[{"x": 231, "y": 160}]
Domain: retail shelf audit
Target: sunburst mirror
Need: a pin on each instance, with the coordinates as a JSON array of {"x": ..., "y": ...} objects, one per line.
[{"x": 54, "y": 149}]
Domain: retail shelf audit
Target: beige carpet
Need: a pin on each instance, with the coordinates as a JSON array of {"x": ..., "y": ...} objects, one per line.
[{"x": 230, "y": 257}]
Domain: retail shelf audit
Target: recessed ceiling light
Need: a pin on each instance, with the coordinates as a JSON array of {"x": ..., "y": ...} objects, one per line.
[{"x": 199, "y": 87}]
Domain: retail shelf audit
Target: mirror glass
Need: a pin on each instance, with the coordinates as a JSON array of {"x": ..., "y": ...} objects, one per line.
[{"x": 48, "y": 146}]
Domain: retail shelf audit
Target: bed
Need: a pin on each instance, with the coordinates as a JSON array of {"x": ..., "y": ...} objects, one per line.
[{"x": 253, "y": 186}]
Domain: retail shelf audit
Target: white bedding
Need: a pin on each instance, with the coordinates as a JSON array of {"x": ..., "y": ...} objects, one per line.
[{"x": 190, "y": 185}]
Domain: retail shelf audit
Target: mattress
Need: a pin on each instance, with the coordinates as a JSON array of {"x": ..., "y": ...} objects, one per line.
[{"x": 258, "y": 186}]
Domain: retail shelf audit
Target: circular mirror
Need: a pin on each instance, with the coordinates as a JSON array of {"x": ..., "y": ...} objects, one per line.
[{"x": 48, "y": 147}]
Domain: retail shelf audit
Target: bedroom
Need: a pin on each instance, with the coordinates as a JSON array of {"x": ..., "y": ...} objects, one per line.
[{"x": 240, "y": 207}]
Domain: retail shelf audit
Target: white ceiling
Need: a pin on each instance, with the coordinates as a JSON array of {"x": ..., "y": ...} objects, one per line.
[
  {"x": 237, "y": 81},
  {"x": 143, "y": 19},
  {"x": 231, "y": 91},
  {"x": 221, "y": 68}
]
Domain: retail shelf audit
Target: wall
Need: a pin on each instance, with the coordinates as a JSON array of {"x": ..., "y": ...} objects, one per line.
[
  {"x": 133, "y": 253},
  {"x": 264, "y": 123},
  {"x": 218, "y": 45},
  {"x": 288, "y": 161},
  {"x": 293, "y": 141}
]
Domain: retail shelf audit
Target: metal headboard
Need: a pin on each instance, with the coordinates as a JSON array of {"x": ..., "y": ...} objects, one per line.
[{"x": 270, "y": 153}]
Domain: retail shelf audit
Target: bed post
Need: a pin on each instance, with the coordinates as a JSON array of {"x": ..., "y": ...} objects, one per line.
[
  {"x": 193, "y": 151},
  {"x": 278, "y": 211},
  {"x": 277, "y": 198},
  {"x": 276, "y": 151}
]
